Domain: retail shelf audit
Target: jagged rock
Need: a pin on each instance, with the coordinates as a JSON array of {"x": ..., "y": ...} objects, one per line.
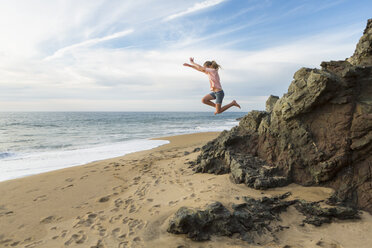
[
  {"x": 270, "y": 102},
  {"x": 316, "y": 215},
  {"x": 363, "y": 51},
  {"x": 250, "y": 219},
  {"x": 254, "y": 216},
  {"x": 318, "y": 133}
]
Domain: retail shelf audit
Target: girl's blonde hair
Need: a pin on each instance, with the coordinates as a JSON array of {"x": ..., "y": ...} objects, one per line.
[{"x": 212, "y": 64}]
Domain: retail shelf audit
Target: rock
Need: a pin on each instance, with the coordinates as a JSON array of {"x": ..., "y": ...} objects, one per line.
[
  {"x": 251, "y": 219},
  {"x": 317, "y": 215},
  {"x": 363, "y": 51},
  {"x": 254, "y": 216},
  {"x": 318, "y": 133},
  {"x": 270, "y": 102},
  {"x": 197, "y": 149}
]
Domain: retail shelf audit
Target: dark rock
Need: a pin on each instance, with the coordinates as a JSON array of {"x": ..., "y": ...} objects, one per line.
[
  {"x": 254, "y": 216},
  {"x": 197, "y": 149},
  {"x": 318, "y": 133},
  {"x": 316, "y": 215}
]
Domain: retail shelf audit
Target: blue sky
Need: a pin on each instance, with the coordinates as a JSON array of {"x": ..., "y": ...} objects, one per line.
[{"x": 65, "y": 55}]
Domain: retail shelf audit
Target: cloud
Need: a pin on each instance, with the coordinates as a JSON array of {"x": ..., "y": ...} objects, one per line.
[
  {"x": 148, "y": 74},
  {"x": 196, "y": 7},
  {"x": 60, "y": 52},
  {"x": 155, "y": 80}
]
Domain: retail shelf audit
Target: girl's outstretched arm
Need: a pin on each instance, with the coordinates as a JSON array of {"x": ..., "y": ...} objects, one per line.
[{"x": 195, "y": 66}]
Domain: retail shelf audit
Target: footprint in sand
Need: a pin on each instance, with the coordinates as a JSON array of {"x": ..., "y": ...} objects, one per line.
[
  {"x": 154, "y": 209},
  {"x": 41, "y": 198},
  {"x": 325, "y": 244},
  {"x": 114, "y": 164},
  {"x": 118, "y": 202},
  {"x": 115, "y": 218},
  {"x": 99, "y": 229},
  {"x": 104, "y": 199},
  {"x": 135, "y": 224},
  {"x": 69, "y": 179},
  {"x": 132, "y": 208},
  {"x": 86, "y": 220},
  {"x": 136, "y": 239},
  {"x": 7, "y": 213},
  {"x": 115, "y": 231},
  {"x": 124, "y": 244},
  {"x": 83, "y": 177},
  {"x": 157, "y": 181},
  {"x": 77, "y": 238},
  {"x": 136, "y": 180},
  {"x": 83, "y": 205},
  {"x": 64, "y": 233},
  {"x": 126, "y": 220},
  {"x": 172, "y": 203},
  {"x": 67, "y": 186},
  {"x": 48, "y": 219},
  {"x": 141, "y": 191},
  {"x": 34, "y": 244},
  {"x": 99, "y": 244},
  {"x": 15, "y": 243},
  {"x": 127, "y": 203},
  {"x": 114, "y": 210}
]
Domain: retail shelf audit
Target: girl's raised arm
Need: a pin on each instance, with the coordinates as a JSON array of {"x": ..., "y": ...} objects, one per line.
[{"x": 195, "y": 65}]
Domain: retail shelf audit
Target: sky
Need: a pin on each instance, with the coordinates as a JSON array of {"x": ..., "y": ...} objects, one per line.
[{"x": 128, "y": 55}]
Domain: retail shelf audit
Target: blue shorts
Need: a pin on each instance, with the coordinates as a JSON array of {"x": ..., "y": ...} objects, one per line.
[{"x": 218, "y": 96}]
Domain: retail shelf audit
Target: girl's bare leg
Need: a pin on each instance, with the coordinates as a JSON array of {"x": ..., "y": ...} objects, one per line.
[
  {"x": 207, "y": 100},
  {"x": 219, "y": 110}
]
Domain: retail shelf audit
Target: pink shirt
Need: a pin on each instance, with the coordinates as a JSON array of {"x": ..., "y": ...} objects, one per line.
[{"x": 214, "y": 78}]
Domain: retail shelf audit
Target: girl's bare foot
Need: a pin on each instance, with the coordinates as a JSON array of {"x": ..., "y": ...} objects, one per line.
[{"x": 236, "y": 104}]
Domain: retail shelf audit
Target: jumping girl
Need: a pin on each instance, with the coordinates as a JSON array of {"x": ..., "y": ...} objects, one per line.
[{"x": 211, "y": 69}]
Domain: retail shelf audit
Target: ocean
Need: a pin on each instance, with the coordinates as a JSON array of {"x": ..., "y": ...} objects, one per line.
[{"x": 36, "y": 142}]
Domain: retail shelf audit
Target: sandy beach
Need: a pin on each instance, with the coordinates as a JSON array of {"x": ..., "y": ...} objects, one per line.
[{"x": 127, "y": 202}]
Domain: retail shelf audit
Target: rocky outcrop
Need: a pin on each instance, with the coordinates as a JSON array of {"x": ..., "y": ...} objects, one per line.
[
  {"x": 318, "y": 133},
  {"x": 251, "y": 219}
]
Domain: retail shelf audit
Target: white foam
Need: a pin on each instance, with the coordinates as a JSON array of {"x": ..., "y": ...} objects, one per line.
[{"x": 35, "y": 163}]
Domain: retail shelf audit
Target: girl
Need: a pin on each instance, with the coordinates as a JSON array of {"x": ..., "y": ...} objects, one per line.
[{"x": 211, "y": 69}]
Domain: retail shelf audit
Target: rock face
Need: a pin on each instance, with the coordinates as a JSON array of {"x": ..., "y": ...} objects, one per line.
[{"x": 318, "y": 133}]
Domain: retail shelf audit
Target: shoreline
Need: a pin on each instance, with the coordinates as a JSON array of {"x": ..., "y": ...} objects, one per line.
[
  {"x": 61, "y": 167},
  {"x": 127, "y": 202}
]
